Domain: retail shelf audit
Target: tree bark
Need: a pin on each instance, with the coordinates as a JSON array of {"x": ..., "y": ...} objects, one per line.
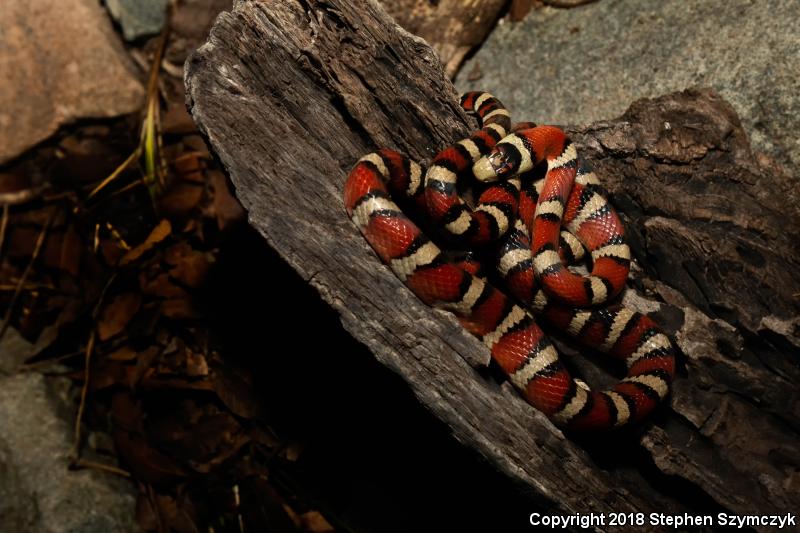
[{"x": 290, "y": 94}]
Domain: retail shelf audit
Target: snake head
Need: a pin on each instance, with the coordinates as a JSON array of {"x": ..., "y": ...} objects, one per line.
[{"x": 502, "y": 162}]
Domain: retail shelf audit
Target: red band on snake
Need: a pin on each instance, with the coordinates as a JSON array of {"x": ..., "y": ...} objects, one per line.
[{"x": 534, "y": 270}]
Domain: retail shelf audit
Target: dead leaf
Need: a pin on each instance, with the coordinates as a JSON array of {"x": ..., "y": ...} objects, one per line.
[
  {"x": 293, "y": 451},
  {"x": 234, "y": 387},
  {"x": 520, "y": 8},
  {"x": 180, "y": 198},
  {"x": 126, "y": 353},
  {"x": 162, "y": 287},
  {"x": 112, "y": 251},
  {"x": 190, "y": 166},
  {"x": 314, "y": 522},
  {"x": 145, "y": 463},
  {"x": 197, "y": 144},
  {"x": 146, "y": 516},
  {"x": 200, "y": 433},
  {"x": 179, "y": 309},
  {"x": 227, "y": 209},
  {"x": 190, "y": 266},
  {"x": 117, "y": 314},
  {"x": 107, "y": 373},
  {"x": 177, "y": 120},
  {"x": 196, "y": 365},
  {"x": 71, "y": 248},
  {"x": 159, "y": 233},
  {"x": 16, "y": 189},
  {"x": 144, "y": 364},
  {"x": 21, "y": 241}
]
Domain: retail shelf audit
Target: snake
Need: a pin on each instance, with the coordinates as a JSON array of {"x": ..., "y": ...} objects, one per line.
[{"x": 539, "y": 210}]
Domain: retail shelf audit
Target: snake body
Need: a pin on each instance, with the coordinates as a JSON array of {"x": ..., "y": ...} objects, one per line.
[{"x": 540, "y": 225}]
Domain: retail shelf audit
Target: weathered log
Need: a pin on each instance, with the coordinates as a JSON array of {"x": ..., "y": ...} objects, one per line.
[
  {"x": 451, "y": 27},
  {"x": 290, "y": 94}
]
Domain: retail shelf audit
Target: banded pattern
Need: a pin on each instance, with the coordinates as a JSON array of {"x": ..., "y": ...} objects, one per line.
[
  {"x": 497, "y": 205},
  {"x": 568, "y": 196},
  {"x": 507, "y": 327},
  {"x": 618, "y": 331}
]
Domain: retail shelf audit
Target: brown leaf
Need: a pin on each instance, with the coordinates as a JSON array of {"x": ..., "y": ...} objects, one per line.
[
  {"x": 111, "y": 251},
  {"x": 190, "y": 166},
  {"x": 144, "y": 363},
  {"x": 107, "y": 373},
  {"x": 200, "y": 433},
  {"x": 146, "y": 516},
  {"x": 158, "y": 234},
  {"x": 10, "y": 183},
  {"x": 197, "y": 144},
  {"x": 196, "y": 365},
  {"x": 145, "y": 463},
  {"x": 520, "y": 8},
  {"x": 181, "y": 198},
  {"x": 117, "y": 314},
  {"x": 126, "y": 413},
  {"x": 126, "y": 353},
  {"x": 162, "y": 287},
  {"x": 21, "y": 241},
  {"x": 235, "y": 388},
  {"x": 293, "y": 451},
  {"x": 71, "y": 248},
  {"x": 227, "y": 209},
  {"x": 190, "y": 266},
  {"x": 16, "y": 189},
  {"x": 177, "y": 120},
  {"x": 179, "y": 309},
  {"x": 178, "y": 513},
  {"x": 314, "y": 522},
  {"x": 187, "y": 188}
]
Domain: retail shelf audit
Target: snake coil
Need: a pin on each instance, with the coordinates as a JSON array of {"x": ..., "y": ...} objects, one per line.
[{"x": 540, "y": 225}]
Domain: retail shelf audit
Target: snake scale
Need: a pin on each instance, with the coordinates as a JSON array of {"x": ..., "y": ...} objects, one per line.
[{"x": 539, "y": 226}]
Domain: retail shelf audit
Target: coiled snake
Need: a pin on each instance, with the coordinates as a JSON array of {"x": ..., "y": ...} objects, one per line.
[{"x": 514, "y": 206}]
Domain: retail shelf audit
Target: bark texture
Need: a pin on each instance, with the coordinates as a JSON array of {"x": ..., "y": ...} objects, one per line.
[{"x": 290, "y": 94}]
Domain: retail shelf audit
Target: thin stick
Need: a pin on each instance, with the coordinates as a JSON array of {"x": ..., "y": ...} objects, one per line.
[
  {"x": 26, "y": 273},
  {"x": 83, "y": 463},
  {"x": 119, "y": 170},
  {"x": 151, "y": 495},
  {"x": 3, "y": 226},
  {"x": 76, "y": 447},
  {"x": 25, "y": 367},
  {"x": 28, "y": 287}
]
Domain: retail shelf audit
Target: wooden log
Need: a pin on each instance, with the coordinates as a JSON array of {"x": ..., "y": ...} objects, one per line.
[
  {"x": 452, "y": 27},
  {"x": 290, "y": 94}
]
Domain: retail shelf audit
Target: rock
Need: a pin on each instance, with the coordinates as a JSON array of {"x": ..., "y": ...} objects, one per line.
[
  {"x": 138, "y": 18},
  {"x": 574, "y": 66},
  {"x": 61, "y": 61},
  {"x": 37, "y": 491}
]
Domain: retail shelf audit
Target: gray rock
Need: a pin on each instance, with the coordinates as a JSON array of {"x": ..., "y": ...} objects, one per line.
[
  {"x": 138, "y": 18},
  {"x": 575, "y": 66},
  {"x": 37, "y": 491},
  {"x": 60, "y": 61}
]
